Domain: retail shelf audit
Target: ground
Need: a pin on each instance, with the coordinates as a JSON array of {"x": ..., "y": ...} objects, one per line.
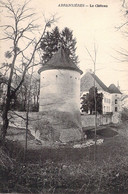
[{"x": 64, "y": 169}]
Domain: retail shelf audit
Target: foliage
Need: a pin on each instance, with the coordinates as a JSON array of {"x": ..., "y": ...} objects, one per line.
[
  {"x": 5, "y": 161},
  {"x": 88, "y": 101},
  {"x": 20, "y": 103},
  {"x": 84, "y": 103},
  {"x": 68, "y": 170},
  {"x": 53, "y": 40},
  {"x": 20, "y": 28},
  {"x": 124, "y": 115}
]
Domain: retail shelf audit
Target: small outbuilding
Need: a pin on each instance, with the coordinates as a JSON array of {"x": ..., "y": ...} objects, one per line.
[{"x": 60, "y": 98}]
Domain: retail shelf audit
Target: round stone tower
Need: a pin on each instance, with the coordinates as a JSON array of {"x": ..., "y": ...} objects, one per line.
[{"x": 59, "y": 101}]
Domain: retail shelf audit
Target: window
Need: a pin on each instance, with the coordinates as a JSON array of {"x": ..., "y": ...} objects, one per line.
[
  {"x": 115, "y": 109},
  {"x": 115, "y": 101}
]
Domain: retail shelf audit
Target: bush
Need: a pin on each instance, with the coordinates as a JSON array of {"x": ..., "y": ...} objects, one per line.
[
  {"x": 124, "y": 114},
  {"x": 61, "y": 178}
]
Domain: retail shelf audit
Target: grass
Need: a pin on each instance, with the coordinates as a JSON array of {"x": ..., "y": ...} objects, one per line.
[{"x": 64, "y": 169}]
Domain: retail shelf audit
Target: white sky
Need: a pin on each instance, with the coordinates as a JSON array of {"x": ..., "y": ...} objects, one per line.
[{"x": 91, "y": 26}]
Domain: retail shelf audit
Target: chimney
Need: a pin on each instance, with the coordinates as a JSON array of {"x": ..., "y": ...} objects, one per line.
[{"x": 118, "y": 86}]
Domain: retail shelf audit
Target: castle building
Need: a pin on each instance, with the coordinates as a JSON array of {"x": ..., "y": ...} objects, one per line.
[
  {"x": 111, "y": 95},
  {"x": 60, "y": 96},
  {"x": 116, "y": 103}
]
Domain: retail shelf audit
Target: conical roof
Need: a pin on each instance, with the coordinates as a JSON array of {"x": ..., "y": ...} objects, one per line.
[
  {"x": 60, "y": 60},
  {"x": 113, "y": 89}
]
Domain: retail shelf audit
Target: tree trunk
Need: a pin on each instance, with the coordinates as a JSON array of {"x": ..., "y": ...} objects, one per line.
[
  {"x": 34, "y": 100},
  {"x": 6, "y": 106},
  {"x": 5, "y": 121}
]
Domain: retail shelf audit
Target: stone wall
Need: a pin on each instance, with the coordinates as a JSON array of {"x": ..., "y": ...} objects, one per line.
[
  {"x": 45, "y": 123},
  {"x": 116, "y": 118},
  {"x": 89, "y": 120}
]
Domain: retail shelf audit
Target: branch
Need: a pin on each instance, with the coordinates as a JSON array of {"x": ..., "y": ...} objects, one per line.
[
  {"x": 26, "y": 46},
  {"x": 7, "y": 26},
  {"x": 119, "y": 27},
  {"x": 90, "y": 55},
  {"x": 27, "y": 37},
  {"x": 27, "y": 16},
  {"x": 33, "y": 65},
  {"x": 18, "y": 115},
  {"x": 23, "y": 10},
  {"x": 25, "y": 57},
  {"x": 95, "y": 52}
]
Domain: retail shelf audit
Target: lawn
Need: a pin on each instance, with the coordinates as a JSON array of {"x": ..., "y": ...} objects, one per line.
[{"x": 64, "y": 169}]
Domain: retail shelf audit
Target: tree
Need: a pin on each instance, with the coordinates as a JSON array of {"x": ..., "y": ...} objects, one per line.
[
  {"x": 69, "y": 43},
  {"x": 84, "y": 103},
  {"x": 50, "y": 43},
  {"x": 21, "y": 100},
  {"x": 88, "y": 101},
  {"x": 53, "y": 40},
  {"x": 123, "y": 52},
  {"x": 21, "y": 54},
  {"x": 94, "y": 60}
]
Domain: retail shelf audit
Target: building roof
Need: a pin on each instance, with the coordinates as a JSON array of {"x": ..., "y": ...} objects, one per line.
[
  {"x": 87, "y": 81},
  {"x": 102, "y": 85},
  {"x": 60, "y": 60},
  {"x": 113, "y": 89}
]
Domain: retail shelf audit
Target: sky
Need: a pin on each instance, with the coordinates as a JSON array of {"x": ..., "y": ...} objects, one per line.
[{"x": 91, "y": 26}]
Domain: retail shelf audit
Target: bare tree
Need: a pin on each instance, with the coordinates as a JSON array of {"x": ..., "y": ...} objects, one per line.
[
  {"x": 24, "y": 46},
  {"x": 93, "y": 59},
  {"x": 27, "y": 114},
  {"x": 20, "y": 101},
  {"x": 121, "y": 55}
]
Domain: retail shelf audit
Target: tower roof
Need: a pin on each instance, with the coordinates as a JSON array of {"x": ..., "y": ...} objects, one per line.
[
  {"x": 113, "y": 89},
  {"x": 60, "y": 60}
]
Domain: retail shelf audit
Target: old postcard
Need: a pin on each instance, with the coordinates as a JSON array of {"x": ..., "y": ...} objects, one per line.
[{"x": 64, "y": 96}]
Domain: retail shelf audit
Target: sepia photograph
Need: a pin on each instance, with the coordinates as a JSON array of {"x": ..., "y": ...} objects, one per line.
[{"x": 64, "y": 96}]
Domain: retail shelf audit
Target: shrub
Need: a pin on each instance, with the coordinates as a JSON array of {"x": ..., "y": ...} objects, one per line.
[{"x": 124, "y": 114}]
